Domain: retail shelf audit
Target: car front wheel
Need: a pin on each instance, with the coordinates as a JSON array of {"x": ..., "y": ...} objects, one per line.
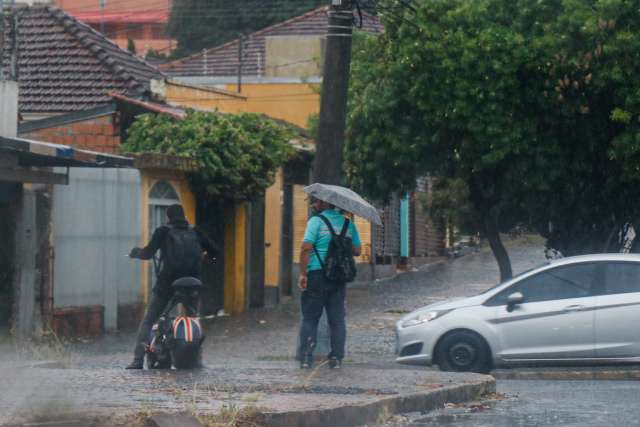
[{"x": 463, "y": 352}]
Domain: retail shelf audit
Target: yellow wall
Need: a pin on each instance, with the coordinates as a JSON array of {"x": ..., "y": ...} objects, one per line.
[
  {"x": 273, "y": 232},
  {"x": 179, "y": 182},
  {"x": 235, "y": 259},
  {"x": 293, "y": 102}
]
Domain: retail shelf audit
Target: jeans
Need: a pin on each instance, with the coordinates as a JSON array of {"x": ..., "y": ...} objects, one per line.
[
  {"x": 156, "y": 306},
  {"x": 322, "y": 294}
]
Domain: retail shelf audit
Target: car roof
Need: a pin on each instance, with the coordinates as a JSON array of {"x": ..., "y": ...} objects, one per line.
[{"x": 596, "y": 257}]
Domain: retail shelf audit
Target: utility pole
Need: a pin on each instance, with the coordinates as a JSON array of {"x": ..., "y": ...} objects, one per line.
[
  {"x": 327, "y": 167},
  {"x": 335, "y": 84},
  {"x": 240, "y": 61}
]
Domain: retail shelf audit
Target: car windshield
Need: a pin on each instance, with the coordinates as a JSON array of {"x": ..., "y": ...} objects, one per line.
[{"x": 514, "y": 277}]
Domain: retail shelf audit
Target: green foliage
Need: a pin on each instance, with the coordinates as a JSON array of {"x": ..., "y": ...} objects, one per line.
[
  {"x": 448, "y": 203},
  {"x": 312, "y": 125},
  {"x": 238, "y": 155},
  {"x": 200, "y": 24},
  {"x": 153, "y": 54},
  {"x": 534, "y": 105}
]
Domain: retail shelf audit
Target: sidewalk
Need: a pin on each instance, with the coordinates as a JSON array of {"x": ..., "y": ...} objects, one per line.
[{"x": 272, "y": 394}]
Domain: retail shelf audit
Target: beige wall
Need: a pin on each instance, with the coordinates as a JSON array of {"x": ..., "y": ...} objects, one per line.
[{"x": 294, "y": 56}]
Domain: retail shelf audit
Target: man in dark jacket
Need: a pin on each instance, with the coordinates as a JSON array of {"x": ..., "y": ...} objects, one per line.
[{"x": 167, "y": 274}]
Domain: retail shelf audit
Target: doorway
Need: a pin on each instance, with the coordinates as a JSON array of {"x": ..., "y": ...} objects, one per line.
[
  {"x": 9, "y": 199},
  {"x": 161, "y": 196}
]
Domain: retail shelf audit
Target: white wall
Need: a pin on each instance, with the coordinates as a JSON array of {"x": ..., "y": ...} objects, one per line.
[
  {"x": 8, "y": 108},
  {"x": 96, "y": 222}
]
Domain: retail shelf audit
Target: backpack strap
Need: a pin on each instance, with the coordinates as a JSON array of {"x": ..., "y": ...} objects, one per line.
[
  {"x": 343, "y": 233},
  {"x": 328, "y": 223},
  {"x": 345, "y": 228}
]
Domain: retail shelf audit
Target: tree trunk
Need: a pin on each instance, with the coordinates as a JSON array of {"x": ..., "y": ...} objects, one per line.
[{"x": 498, "y": 249}]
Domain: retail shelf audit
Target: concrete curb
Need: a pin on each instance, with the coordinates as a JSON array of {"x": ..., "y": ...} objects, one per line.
[
  {"x": 352, "y": 415},
  {"x": 569, "y": 374}
]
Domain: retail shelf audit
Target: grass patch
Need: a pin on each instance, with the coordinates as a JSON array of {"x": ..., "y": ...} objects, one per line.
[
  {"x": 48, "y": 348},
  {"x": 233, "y": 415}
]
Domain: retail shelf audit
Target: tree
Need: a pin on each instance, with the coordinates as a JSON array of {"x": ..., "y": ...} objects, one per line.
[
  {"x": 525, "y": 102},
  {"x": 200, "y": 24},
  {"x": 237, "y": 155},
  {"x": 131, "y": 46}
]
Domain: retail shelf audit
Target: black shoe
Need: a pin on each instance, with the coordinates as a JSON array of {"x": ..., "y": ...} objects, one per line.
[
  {"x": 136, "y": 364},
  {"x": 335, "y": 363}
]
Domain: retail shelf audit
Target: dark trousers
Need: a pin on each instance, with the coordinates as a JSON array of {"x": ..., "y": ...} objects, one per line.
[
  {"x": 156, "y": 306},
  {"x": 322, "y": 294}
]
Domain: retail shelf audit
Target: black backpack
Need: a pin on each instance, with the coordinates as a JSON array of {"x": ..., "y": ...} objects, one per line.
[
  {"x": 339, "y": 266},
  {"x": 182, "y": 251}
]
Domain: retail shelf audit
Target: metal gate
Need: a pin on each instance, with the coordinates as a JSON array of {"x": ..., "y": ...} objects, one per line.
[{"x": 96, "y": 222}]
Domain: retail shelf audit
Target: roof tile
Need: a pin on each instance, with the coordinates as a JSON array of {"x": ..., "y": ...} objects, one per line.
[
  {"x": 65, "y": 65},
  {"x": 222, "y": 61}
]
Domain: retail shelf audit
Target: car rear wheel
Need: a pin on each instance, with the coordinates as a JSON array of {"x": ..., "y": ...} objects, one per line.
[{"x": 463, "y": 352}]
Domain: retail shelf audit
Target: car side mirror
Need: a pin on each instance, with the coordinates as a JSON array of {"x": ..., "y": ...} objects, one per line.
[{"x": 513, "y": 300}]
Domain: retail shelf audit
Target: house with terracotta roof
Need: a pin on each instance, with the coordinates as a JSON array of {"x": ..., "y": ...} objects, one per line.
[
  {"x": 142, "y": 21},
  {"x": 278, "y": 71},
  {"x": 89, "y": 92},
  {"x": 38, "y": 187},
  {"x": 277, "y": 68},
  {"x": 69, "y": 77}
]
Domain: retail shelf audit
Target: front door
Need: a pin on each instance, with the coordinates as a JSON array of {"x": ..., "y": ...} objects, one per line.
[
  {"x": 617, "y": 311},
  {"x": 556, "y": 319}
]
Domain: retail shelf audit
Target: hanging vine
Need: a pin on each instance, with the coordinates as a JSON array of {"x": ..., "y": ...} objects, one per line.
[{"x": 237, "y": 154}]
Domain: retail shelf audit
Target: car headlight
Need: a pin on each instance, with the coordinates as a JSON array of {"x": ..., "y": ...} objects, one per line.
[{"x": 421, "y": 318}]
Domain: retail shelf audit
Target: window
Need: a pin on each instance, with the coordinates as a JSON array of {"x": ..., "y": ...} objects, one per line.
[
  {"x": 163, "y": 190},
  {"x": 622, "y": 277},
  {"x": 572, "y": 281}
]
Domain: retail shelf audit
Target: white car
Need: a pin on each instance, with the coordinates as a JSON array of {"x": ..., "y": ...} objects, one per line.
[{"x": 575, "y": 309}]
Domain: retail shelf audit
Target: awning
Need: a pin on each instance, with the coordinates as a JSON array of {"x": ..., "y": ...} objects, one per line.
[{"x": 44, "y": 154}]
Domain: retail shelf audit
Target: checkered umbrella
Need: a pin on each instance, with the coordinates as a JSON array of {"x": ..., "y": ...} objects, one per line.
[{"x": 344, "y": 199}]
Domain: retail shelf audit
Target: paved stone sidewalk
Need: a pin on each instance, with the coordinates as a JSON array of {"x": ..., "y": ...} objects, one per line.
[{"x": 282, "y": 393}]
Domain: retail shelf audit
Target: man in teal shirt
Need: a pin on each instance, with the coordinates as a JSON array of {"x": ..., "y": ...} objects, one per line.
[{"x": 317, "y": 292}]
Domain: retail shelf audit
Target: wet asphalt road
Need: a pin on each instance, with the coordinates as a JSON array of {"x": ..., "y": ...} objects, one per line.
[
  {"x": 544, "y": 404},
  {"x": 373, "y": 309}
]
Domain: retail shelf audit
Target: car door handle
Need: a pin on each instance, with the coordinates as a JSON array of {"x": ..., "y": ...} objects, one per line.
[{"x": 576, "y": 307}]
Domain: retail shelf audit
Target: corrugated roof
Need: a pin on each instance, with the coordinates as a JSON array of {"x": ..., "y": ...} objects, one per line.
[
  {"x": 39, "y": 153},
  {"x": 223, "y": 60},
  {"x": 64, "y": 65}
]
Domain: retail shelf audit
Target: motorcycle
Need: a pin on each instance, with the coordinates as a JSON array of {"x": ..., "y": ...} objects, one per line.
[{"x": 177, "y": 340}]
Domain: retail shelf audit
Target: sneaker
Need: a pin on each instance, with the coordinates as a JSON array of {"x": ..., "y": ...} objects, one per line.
[
  {"x": 306, "y": 362},
  {"x": 335, "y": 363},
  {"x": 136, "y": 364}
]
